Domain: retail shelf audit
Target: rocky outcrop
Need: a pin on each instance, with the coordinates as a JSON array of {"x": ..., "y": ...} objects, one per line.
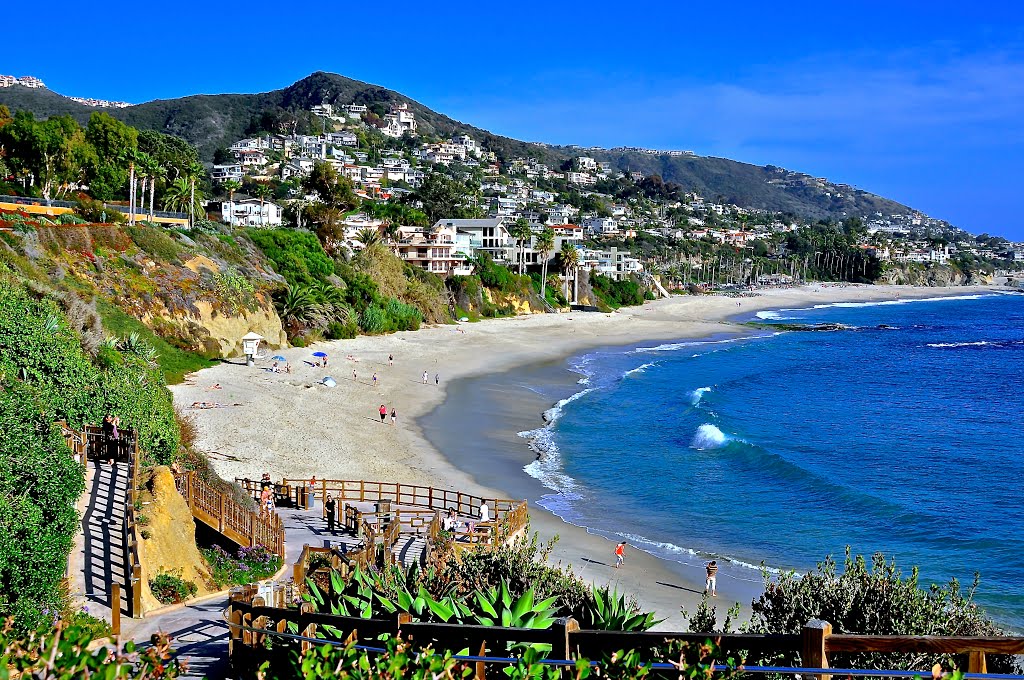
[
  {"x": 217, "y": 334},
  {"x": 171, "y": 545},
  {"x": 936, "y": 275}
]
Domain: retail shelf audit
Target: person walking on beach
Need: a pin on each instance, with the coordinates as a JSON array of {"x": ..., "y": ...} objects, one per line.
[
  {"x": 712, "y": 582},
  {"x": 374, "y": 379},
  {"x": 354, "y": 376},
  {"x": 329, "y": 507},
  {"x": 383, "y": 412},
  {"x": 391, "y": 360},
  {"x": 620, "y": 554},
  {"x": 424, "y": 377},
  {"x": 437, "y": 378},
  {"x": 394, "y": 416}
]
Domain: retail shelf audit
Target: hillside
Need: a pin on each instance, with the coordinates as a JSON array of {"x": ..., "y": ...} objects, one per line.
[{"x": 212, "y": 121}]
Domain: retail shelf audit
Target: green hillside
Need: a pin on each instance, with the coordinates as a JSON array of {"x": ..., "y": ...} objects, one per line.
[{"x": 213, "y": 121}]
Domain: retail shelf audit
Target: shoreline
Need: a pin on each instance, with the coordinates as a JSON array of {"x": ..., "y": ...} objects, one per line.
[{"x": 289, "y": 425}]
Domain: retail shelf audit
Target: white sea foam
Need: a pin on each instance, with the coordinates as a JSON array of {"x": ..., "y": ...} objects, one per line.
[
  {"x": 698, "y": 394},
  {"x": 640, "y": 369},
  {"x": 672, "y": 552},
  {"x": 977, "y": 343},
  {"x": 707, "y": 437}
]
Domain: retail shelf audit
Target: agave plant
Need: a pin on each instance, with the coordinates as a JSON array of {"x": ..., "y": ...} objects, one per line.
[
  {"x": 611, "y": 610},
  {"x": 495, "y": 607},
  {"x": 133, "y": 345}
]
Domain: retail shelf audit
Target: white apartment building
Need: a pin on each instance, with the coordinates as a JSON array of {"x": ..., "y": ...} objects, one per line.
[
  {"x": 224, "y": 173},
  {"x": 438, "y": 250},
  {"x": 601, "y": 226},
  {"x": 248, "y": 212},
  {"x": 487, "y": 235}
]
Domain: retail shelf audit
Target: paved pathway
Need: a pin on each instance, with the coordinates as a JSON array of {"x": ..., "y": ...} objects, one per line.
[{"x": 99, "y": 556}]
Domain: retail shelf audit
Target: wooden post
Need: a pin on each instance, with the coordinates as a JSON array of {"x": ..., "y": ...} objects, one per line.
[
  {"x": 481, "y": 670},
  {"x": 115, "y": 608},
  {"x": 136, "y": 612},
  {"x": 976, "y": 663},
  {"x": 560, "y": 647},
  {"x": 220, "y": 515},
  {"x": 812, "y": 648}
]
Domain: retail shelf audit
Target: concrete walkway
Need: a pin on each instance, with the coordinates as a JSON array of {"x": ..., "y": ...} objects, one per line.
[{"x": 99, "y": 557}]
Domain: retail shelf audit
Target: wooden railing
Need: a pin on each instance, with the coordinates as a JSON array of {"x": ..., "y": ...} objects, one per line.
[
  {"x": 509, "y": 516},
  {"x": 342, "y": 563},
  {"x": 248, "y": 645},
  {"x": 219, "y": 511}
]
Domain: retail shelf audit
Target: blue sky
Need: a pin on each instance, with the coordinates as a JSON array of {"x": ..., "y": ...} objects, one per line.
[{"x": 920, "y": 102}]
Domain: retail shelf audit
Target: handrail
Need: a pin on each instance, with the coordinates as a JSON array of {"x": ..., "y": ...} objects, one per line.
[
  {"x": 228, "y": 517},
  {"x": 568, "y": 642}
]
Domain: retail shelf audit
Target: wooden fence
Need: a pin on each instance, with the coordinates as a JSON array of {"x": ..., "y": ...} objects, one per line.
[
  {"x": 815, "y": 644},
  {"x": 219, "y": 511}
]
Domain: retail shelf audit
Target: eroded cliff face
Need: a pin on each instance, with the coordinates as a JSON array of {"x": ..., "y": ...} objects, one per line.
[
  {"x": 935, "y": 275},
  {"x": 171, "y": 545},
  {"x": 200, "y": 291}
]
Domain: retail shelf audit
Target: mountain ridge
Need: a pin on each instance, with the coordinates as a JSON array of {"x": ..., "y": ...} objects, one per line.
[{"x": 210, "y": 121}]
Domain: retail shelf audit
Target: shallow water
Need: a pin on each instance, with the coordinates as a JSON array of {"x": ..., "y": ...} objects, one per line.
[{"x": 901, "y": 434}]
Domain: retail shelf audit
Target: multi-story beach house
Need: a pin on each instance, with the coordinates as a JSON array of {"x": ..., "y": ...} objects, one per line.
[
  {"x": 488, "y": 235},
  {"x": 247, "y": 212},
  {"x": 224, "y": 173},
  {"x": 438, "y": 250}
]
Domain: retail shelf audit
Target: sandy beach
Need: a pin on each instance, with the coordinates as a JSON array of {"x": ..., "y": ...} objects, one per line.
[{"x": 291, "y": 426}]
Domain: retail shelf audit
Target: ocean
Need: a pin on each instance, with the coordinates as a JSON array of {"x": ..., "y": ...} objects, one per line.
[{"x": 900, "y": 433}]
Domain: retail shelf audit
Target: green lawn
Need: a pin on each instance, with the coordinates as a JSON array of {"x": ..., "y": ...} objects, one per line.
[{"x": 176, "y": 363}]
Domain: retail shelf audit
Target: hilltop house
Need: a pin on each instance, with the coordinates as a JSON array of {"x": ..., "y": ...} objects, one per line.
[{"x": 488, "y": 235}]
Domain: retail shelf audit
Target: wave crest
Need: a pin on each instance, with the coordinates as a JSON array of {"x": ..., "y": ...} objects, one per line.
[
  {"x": 698, "y": 394},
  {"x": 708, "y": 437}
]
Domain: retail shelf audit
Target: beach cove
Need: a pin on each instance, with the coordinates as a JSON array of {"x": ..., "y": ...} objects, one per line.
[{"x": 289, "y": 425}]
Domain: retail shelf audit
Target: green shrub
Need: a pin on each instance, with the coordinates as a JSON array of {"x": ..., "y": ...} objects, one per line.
[
  {"x": 39, "y": 485},
  {"x": 61, "y": 651},
  {"x": 95, "y": 627},
  {"x": 95, "y": 212},
  {"x": 155, "y": 242},
  {"x": 169, "y": 588},
  {"x": 247, "y": 566},
  {"x": 873, "y": 600},
  {"x": 297, "y": 255},
  {"x": 402, "y": 317},
  {"x": 337, "y": 330},
  {"x": 616, "y": 293},
  {"x": 373, "y": 320}
]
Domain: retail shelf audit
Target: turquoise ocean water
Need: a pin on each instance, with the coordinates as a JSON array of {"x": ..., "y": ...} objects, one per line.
[{"x": 901, "y": 433}]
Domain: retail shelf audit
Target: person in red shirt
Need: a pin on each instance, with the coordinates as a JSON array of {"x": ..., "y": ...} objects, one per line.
[
  {"x": 383, "y": 412},
  {"x": 620, "y": 554}
]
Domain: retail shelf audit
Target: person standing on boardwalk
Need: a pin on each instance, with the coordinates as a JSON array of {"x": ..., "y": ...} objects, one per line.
[
  {"x": 383, "y": 412},
  {"x": 712, "y": 582},
  {"x": 424, "y": 377},
  {"x": 620, "y": 554},
  {"x": 394, "y": 416},
  {"x": 329, "y": 507}
]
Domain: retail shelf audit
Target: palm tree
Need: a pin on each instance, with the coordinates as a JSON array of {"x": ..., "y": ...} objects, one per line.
[
  {"x": 153, "y": 170},
  {"x": 520, "y": 230},
  {"x": 570, "y": 260},
  {"x": 130, "y": 155},
  {"x": 368, "y": 237},
  {"x": 143, "y": 163},
  {"x": 261, "y": 191},
  {"x": 193, "y": 170},
  {"x": 231, "y": 186},
  {"x": 181, "y": 196},
  {"x": 545, "y": 244}
]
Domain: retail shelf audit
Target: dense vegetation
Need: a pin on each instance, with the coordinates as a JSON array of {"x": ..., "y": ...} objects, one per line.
[
  {"x": 870, "y": 597},
  {"x": 56, "y": 364}
]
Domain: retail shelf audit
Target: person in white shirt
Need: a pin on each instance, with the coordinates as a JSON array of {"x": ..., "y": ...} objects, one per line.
[{"x": 485, "y": 512}]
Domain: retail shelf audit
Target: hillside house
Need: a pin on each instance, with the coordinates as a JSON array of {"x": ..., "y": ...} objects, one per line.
[
  {"x": 247, "y": 212},
  {"x": 437, "y": 250},
  {"x": 487, "y": 235}
]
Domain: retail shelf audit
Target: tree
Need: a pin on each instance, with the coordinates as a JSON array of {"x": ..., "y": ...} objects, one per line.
[
  {"x": 545, "y": 244},
  {"x": 441, "y": 196},
  {"x": 336, "y": 197},
  {"x": 114, "y": 143},
  {"x": 49, "y": 153},
  {"x": 368, "y": 237},
  {"x": 180, "y": 196},
  {"x": 195, "y": 204},
  {"x": 231, "y": 186},
  {"x": 262, "y": 191},
  {"x": 521, "y": 232},
  {"x": 145, "y": 165},
  {"x": 569, "y": 257}
]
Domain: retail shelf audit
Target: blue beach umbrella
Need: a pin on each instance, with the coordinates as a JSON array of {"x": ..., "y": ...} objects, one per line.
[
  {"x": 278, "y": 358},
  {"x": 319, "y": 354}
]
